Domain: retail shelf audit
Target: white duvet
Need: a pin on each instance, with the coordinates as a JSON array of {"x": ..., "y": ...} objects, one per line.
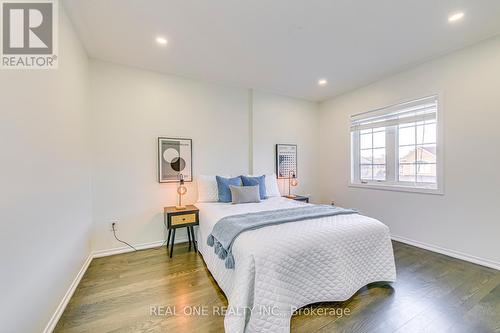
[{"x": 283, "y": 267}]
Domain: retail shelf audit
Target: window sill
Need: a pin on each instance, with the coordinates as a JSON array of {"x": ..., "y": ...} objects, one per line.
[{"x": 399, "y": 188}]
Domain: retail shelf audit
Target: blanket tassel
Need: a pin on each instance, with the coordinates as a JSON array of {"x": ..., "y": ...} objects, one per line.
[
  {"x": 210, "y": 240},
  {"x": 229, "y": 263},
  {"x": 222, "y": 253},
  {"x": 217, "y": 247}
]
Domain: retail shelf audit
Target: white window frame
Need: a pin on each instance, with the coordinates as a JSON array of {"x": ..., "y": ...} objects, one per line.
[{"x": 392, "y": 158}]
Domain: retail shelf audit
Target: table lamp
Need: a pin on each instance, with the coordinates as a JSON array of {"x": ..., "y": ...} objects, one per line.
[
  {"x": 181, "y": 190},
  {"x": 292, "y": 181}
]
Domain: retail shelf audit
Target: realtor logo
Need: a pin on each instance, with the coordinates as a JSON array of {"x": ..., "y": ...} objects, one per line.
[{"x": 29, "y": 34}]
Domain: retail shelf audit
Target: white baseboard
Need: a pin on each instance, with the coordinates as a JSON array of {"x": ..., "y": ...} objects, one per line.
[
  {"x": 64, "y": 302},
  {"x": 448, "y": 252},
  {"x": 97, "y": 254},
  {"x": 141, "y": 246}
]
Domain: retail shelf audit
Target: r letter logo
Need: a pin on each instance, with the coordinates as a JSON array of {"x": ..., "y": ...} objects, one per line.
[{"x": 29, "y": 34}]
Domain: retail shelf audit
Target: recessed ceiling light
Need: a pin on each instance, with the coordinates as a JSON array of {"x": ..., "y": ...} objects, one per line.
[
  {"x": 456, "y": 17},
  {"x": 322, "y": 82},
  {"x": 161, "y": 40}
]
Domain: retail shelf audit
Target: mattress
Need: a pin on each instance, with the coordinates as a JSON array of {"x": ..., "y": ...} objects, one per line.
[{"x": 283, "y": 267}]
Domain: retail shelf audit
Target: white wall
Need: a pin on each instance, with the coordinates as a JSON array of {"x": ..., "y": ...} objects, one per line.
[
  {"x": 466, "y": 217},
  {"x": 45, "y": 212},
  {"x": 131, "y": 108},
  {"x": 278, "y": 119}
]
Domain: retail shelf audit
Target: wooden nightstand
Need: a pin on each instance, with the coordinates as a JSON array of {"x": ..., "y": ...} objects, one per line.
[
  {"x": 185, "y": 218},
  {"x": 302, "y": 198}
]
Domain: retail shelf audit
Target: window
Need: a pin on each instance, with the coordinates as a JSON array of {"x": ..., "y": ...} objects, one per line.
[
  {"x": 372, "y": 154},
  {"x": 397, "y": 147}
]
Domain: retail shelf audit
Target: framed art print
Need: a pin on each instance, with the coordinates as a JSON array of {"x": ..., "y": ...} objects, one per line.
[
  {"x": 286, "y": 160},
  {"x": 175, "y": 157}
]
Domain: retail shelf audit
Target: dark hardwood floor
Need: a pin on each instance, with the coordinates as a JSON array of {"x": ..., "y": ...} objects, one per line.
[{"x": 433, "y": 293}]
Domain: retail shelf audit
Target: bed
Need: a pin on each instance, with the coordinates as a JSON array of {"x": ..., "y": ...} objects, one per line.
[{"x": 281, "y": 268}]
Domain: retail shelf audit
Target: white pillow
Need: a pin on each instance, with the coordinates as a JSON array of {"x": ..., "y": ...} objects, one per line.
[
  {"x": 207, "y": 189},
  {"x": 272, "y": 189}
]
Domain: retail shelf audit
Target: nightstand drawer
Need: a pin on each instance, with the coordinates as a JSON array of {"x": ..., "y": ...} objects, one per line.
[{"x": 183, "y": 219}]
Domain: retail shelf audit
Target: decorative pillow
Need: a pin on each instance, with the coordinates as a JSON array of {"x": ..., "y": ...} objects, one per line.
[
  {"x": 272, "y": 189},
  {"x": 252, "y": 181},
  {"x": 223, "y": 187},
  {"x": 244, "y": 194}
]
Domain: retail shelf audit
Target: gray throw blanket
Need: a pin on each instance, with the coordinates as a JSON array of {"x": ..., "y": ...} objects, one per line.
[{"x": 228, "y": 228}]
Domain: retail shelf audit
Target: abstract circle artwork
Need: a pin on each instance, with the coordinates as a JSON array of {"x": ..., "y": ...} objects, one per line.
[{"x": 174, "y": 159}]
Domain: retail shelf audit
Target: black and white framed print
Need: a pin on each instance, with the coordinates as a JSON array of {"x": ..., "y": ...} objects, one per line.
[
  {"x": 175, "y": 157},
  {"x": 286, "y": 160}
]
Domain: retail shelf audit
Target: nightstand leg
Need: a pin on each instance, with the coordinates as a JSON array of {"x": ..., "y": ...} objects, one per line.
[
  {"x": 188, "y": 229},
  {"x": 168, "y": 238},
  {"x": 194, "y": 240},
  {"x": 172, "y": 247}
]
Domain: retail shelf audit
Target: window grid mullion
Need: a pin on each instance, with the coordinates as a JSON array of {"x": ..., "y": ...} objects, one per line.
[
  {"x": 372, "y": 157},
  {"x": 359, "y": 156},
  {"x": 390, "y": 153},
  {"x": 416, "y": 153}
]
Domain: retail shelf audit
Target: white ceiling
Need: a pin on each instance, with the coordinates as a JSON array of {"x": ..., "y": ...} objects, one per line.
[{"x": 281, "y": 46}]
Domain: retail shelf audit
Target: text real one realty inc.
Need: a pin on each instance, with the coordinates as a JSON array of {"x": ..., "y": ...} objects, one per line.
[{"x": 172, "y": 310}]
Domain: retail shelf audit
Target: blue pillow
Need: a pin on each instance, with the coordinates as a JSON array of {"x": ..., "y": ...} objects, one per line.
[
  {"x": 252, "y": 181},
  {"x": 223, "y": 187}
]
